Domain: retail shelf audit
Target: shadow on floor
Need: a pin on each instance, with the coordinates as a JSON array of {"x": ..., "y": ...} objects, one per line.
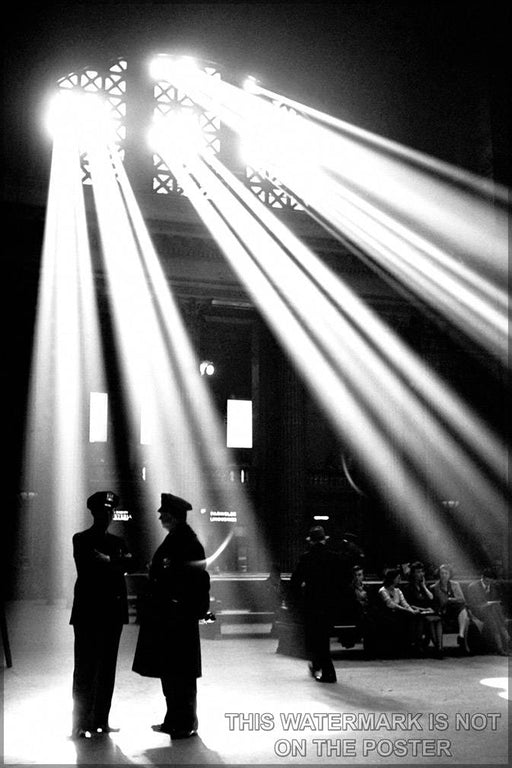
[
  {"x": 99, "y": 750},
  {"x": 191, "y": 751}
]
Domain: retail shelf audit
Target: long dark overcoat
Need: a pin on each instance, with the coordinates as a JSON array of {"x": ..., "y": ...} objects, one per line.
[{"x": 178, "y": 596}]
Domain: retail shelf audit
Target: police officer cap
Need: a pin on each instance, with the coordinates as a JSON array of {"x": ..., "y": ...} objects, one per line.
[
  {"x": 174, "y": 505},
  {"x": 102, "y": 499},
  {"x": 316, "y": 533}
]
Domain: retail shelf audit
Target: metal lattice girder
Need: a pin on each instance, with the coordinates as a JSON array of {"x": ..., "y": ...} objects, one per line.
[
  {"x": 168, "y": 98},
  {"x": 268, "y": 191},
  {"x": 110, "y": 84}
]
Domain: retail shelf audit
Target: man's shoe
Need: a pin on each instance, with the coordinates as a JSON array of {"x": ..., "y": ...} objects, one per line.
[
  {"x": 161, "y": 728},
  {"x": 313, "y": 671},
  {"x": 183, "y": 734},
  {"x": 323, "y": 679}
]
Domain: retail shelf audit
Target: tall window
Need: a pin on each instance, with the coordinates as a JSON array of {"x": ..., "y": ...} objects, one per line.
[
  {"x": 239, "y": 424},
  {"x": 112, "y": 85},
  {"x": 168, "y": 98}
]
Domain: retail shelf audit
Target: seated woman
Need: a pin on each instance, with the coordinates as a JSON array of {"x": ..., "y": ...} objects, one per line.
[
  {"x": 451, "y": 605},
  {"x": 400, "y": 621},
  {"x": 484, "y": 600},
  {"x": 419, "y": 596}
]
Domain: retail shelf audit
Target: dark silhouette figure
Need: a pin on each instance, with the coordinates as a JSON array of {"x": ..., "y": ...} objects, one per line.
[
  {"x": 318, "y": 581},
  {"x": 168, "y": 645},
  {"x": 100, "y": 608}
]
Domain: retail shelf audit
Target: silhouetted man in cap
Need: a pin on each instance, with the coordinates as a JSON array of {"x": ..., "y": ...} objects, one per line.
[
  {"x": 319, "y": 581},
  {"x": 100, "y": 608},
  {"x": 168, "y": 646}
]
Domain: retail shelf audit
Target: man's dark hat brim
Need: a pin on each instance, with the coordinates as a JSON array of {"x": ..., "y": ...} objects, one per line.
[{"x": 174, "y": 504}]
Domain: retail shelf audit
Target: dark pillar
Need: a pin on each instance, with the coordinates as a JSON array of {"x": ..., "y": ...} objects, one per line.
[
  {"x": 279, "y": 448},
  {"x": 292, "y": 471}
]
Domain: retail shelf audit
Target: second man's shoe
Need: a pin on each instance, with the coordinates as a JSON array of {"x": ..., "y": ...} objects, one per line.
[
  {"x": 323, "y": 679},
  {"x": 106, "y": 729}
]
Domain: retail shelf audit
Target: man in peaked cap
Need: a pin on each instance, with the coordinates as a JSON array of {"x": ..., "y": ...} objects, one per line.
[
  {"x": 100, "y": 608},
  {"x": 318, "y": 581},
  {"x": 168, "y": 645}
]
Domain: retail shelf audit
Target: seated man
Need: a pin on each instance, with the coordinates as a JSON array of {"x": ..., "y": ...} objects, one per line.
[
  {"x": 484, "y": 601},
  {"x": 362, "y": 612}
]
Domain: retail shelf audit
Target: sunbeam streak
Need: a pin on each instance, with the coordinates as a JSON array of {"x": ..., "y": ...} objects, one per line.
[
  {"x": 160, "y": 368},
  {"x": 67, "y": 364},
  {"x": 349, "y": 364},
  {"x": 438, "y": 232}
]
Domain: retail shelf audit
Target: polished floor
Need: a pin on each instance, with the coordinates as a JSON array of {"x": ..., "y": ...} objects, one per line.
[{"x": 256, "y": 706}]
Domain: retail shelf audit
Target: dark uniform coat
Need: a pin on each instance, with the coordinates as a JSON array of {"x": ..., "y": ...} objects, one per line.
[
  {"x": 100, "y": 608},
  {"x": 178, "y": 596},
  {"x": 100, "y": 589}
]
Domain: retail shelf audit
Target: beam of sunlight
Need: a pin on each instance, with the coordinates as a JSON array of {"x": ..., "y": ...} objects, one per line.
[
  {"x": 435, "y": 230},
  {"x": 329, "y": 365},
  {"x": 211, "y": 453},
  {"x": 500, "y": 683},
  {"x": 66, "y": 366},
  {"x": 187, "y": 453},
  {"x": 371, "y": 358}
]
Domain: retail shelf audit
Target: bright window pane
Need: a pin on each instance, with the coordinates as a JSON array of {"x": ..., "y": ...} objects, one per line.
[{"x": 239, "y": 428}]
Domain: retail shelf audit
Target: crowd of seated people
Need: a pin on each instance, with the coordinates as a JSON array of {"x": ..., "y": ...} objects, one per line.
[
  {"x": 413, "y": 621},
  {"x": 409, "y": 614}
]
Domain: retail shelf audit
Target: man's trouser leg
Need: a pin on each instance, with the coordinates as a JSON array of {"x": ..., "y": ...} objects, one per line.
[{"x": 181, "y": 697}]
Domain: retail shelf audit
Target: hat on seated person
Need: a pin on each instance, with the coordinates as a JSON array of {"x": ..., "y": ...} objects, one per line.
[
  {"x": 174, "y": 505},
  {"x": 102, "y": 499},
  {"x": 316, "y": 534}
]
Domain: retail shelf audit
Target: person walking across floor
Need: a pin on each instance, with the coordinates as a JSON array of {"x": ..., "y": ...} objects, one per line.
[
  {"x": 168, "y": 645},
  {"x": 100, "y": 608},
  {"x": 319, "y": 582}
]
